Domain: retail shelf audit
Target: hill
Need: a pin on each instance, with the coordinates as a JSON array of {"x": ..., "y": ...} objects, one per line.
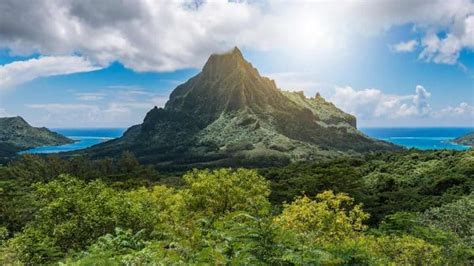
[
  {"x": 467, "y": 139},
  {"x": 17, "y": 135},
  {"x": 229, "y": 115}
]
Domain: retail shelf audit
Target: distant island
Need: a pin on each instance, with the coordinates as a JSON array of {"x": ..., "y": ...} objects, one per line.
[
  {"x": 467, "y": 140},
  {"x": 17, "y": 135},
  {"x": 229, "y": 114}
]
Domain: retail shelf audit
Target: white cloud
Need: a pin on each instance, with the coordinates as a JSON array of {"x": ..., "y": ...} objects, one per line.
[
  {"x": 420, "y": 101},
  {"x": 167, "y": 35},
  {"x": 4, "y": 113},
  {"x": 462, "y": 114},
  {"x": 90, "y": 96},
  {"x": 404, "y": 47},
  {"x": 63, "y": 107},
  {"x": 373, "y": 107},
  {"x": 446, "y": 50},
  {"x": 19, "y": 72},
  {"x": 463, "y": 109},
  {"x": 373, "y": 103},
  {"x": 143, "y": 35},
  {"x": 79, "y": 115},
  {"x": 121, "y": 107},
  {"x": 65, "y": 114}
]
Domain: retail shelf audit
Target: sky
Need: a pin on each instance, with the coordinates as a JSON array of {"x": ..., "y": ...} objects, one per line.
[{"x": 105, "y": 63}]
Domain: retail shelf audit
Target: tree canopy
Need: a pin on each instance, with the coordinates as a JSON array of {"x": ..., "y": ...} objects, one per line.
[{"x": 56, "y": 211}]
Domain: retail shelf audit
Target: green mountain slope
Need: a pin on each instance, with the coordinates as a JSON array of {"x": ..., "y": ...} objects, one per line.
[
  {"x": 16, "y": 135},
  {"x": 230, "y": 115},
  {"x": 467, "y": 139}
]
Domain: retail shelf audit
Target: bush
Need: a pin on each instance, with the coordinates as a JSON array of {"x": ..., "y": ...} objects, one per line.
[{"x": 223, "y": 191}]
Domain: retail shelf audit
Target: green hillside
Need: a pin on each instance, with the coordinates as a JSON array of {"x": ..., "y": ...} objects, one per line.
[
  {"x": 229, "y": 115},
  {"x": 17, "y": 135},
  {"x": 467, "y": 139}
]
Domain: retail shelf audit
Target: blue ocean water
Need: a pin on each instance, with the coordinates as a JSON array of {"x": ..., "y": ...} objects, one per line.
[
  {"x": 420, "y": 138},
  {"x": 84, "y": 138},
  {"x": 425, "y": 138}
]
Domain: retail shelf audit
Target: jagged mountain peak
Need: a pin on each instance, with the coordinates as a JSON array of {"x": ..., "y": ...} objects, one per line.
[
  {"x": 236, "y": 50},
  {"x": 227, "y": 83},
  {"x": 229, "y": 114},
  {"x": 221, "y": 65},
  {"x": 234, "y": 54},
  {"x": 15, "y": 121}
]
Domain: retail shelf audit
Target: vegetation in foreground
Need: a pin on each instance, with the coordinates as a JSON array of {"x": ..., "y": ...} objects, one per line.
[{"x": 410, "y": 207}]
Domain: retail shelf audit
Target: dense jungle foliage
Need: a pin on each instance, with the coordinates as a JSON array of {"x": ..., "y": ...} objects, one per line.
[{"x": 410, "y": 207}]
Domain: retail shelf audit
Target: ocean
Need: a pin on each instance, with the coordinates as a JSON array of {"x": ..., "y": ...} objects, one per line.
[
  {"x": 424, "y": 138},
  {"x": 83, "y": 137},
  {"x": 420, "y": 138}
]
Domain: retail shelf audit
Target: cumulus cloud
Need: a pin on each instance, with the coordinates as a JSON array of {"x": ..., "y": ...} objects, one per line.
[
  {"x": 168, "y": 35},
  {"x": 374, "y": 107},
  {"x": 404, "y": 47},
  {"x": 373, "y": 103},
  {"x": 143, "y": 35},
  {"x": 461, "y": 114},
  {"x": 420, "y": 101},
  {"x": 19, "y": 72},
  {"x": 446, "y": 50},
  {"x": 463, "y": 109}
]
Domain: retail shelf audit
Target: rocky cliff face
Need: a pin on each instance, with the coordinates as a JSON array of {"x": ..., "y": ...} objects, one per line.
[
  {"x": 230, "y": 115},
  {"x": 16, "y": 135},
  {"x": 227, "y": 84}
]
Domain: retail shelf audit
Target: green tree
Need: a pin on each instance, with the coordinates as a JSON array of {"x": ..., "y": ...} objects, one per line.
[
  {"x": 329, "y": 216},
  {"x": 222, "y": 191},
  {"x": 71, "y": 215},
  {"x": 456, "y": 217},
  {"x": 128, "y": 163}
]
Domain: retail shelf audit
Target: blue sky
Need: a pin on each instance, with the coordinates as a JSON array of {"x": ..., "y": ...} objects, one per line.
[{"x": 92, "y": 65}]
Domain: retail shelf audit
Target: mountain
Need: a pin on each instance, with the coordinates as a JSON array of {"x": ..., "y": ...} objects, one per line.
[
  {"x": 467, "y": 140},
  {"x": 229, "y": 114},
  {"x": 17, "y": 135}
]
